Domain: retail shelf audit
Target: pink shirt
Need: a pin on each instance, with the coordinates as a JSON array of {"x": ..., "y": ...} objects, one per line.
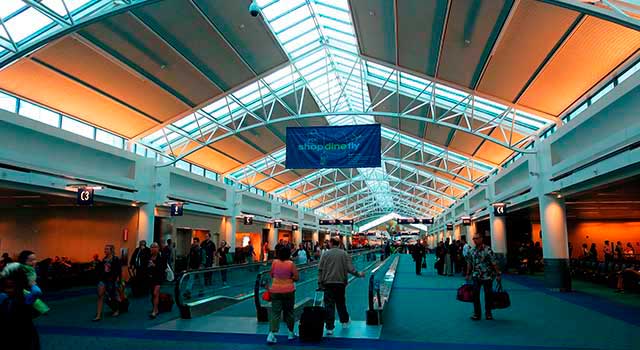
[{"x": 283, "y": 274}]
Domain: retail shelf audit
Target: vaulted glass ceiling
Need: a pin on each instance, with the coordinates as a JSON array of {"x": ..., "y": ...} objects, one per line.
[
  {"x": 320, "y": 41},
  {"x": 25, "y": 22}
]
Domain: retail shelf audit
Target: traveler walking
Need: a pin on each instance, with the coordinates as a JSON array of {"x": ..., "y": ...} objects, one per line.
[
  {"x": 209, "y": 251},
  {"x": 223, "y": 260},
  {"x": 482, "y": 267},
  {"x": 418, "y": 253},
  {"x": 195, "y": 261},
  {"x": 156, "y": 268},
  {"x": 109, "y": 271},
  {"x": 333, "y": 268},
  {"x": 284, "y": 274},
  {"x": 448, "y": 261}
]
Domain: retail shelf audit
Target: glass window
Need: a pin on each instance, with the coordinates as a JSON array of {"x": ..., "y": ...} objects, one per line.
[
  {"x": 26, "y": 23},
  {"x": 602, "y": 92},
  {"x": 109, "y": 138},
  {"x": 182, "y": 165},
  {"x": 7, "y": 102},
  {"x": 140, "y": 150},
  {"x": 197, "y": 170},
  {"x": 9, "y": 7},
  {"x": 629, "y": 72},
  {"x": 210, "y": 175},
  {"x": 77, "y": 127},
  {"x": 40, "y": 114}
]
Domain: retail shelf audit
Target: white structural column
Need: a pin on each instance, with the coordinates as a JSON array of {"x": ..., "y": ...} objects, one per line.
[
  {"x": 297, "y": 235},
  {"x": 146, "y": 217},
  {"x": 553, "y": 220},
  {"x": 231, "y": 227},
  {"x": 498, "y": 236}
]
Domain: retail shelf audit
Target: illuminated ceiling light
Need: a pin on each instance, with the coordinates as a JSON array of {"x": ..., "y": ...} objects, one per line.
[{"x": 75, "y": 187}]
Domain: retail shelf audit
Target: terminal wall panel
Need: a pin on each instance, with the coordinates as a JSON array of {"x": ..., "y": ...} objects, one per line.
[
  {"x": 517, "y": 178},
  {"x": 477, "y": 200},
  {"x": 309, "y": 219},
  {"x": 254, "y": 205},
  {"x": 611, "y": 127},
  {"x": 197, "y": 189},
  {"x": 288, "y": 213},
  {"x": 42, "y": 148},
  {"x": 50, "y": 230}
]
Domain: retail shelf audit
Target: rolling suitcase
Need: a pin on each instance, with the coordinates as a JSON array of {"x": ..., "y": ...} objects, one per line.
[{"x": 312, "y": 321}]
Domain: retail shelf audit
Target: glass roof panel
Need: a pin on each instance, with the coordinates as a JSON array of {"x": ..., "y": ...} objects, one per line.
[
  {"x": 26, "y": 23},
  {"x": 9, "y": 7}
]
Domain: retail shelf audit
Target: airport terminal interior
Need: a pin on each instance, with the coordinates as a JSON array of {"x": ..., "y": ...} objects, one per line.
[{"x": 171, "y": 170}]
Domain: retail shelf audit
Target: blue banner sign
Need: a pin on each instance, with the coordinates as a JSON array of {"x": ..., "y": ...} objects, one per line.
[{"x": 351, "y": 146}]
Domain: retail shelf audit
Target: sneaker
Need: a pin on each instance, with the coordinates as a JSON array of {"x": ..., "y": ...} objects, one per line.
[
  {"x": 115, "y": 314},
  {"x": 475, "y": 318},
  {"x": 329, "y": 331},
  {"x": 292, "y": 335},
  {"x": 346, "y": 324},
  {"x": 489, "y": 317},
  {"x": 271, "y": 338}
]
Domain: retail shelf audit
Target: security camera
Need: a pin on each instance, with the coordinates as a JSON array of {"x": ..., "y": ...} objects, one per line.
[{"x": 254, "y": 10}]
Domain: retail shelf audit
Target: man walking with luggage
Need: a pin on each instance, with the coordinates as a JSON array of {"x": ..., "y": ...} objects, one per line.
[
  {"x": 333, "y": 269},
  {"x": 482, "y": 266}
]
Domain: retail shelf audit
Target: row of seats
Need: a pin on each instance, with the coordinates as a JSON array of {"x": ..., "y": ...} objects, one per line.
[{"x": 600, "y": 272}]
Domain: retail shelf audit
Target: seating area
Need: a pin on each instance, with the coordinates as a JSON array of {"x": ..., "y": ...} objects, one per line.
[{"x": 607, "y": 274}]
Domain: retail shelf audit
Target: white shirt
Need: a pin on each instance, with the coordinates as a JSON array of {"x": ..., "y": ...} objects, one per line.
[{"x": 465, "y": 250}]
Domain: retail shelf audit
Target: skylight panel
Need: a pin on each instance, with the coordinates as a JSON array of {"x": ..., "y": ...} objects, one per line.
[
  {"x": 9, "y": 7},
  {"x": 302, "y": 26},
  {"x": 73, "y": 5},
  {"x": 333, "y": 12},
  {"x": 26, "y": 23},
  {"x": 274, "y": 9},
  {"x": 288, "y": 19}
]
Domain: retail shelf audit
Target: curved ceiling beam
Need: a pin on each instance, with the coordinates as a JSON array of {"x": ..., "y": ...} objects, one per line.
[
  {"x": 515, "y": 146},
  {"x": 64, "y": 25}
]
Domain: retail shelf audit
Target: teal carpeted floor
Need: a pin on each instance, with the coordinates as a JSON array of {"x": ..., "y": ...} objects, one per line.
[{"x": 424, "y": 309}]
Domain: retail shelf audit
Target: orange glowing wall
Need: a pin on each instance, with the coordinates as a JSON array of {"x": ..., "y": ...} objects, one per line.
[
  {"x": 75, "y": 232},
  {"x": 597, "y": 232}
]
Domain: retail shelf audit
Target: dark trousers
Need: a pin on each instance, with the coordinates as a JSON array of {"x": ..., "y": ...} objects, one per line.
[
  {"x": 418, "y": 260},
  {"x": 334, "y": 298},
  {"x": 488, "y": 296},
  {"x": 282, "y": 303},
  {"x": 208, "y": 275}
]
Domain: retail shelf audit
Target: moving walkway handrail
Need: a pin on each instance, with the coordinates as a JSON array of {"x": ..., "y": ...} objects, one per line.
[
  {"x": 256, "y": 292},
  {"x": 184, "y": 274},
  {"x": 373, "y": 313}
]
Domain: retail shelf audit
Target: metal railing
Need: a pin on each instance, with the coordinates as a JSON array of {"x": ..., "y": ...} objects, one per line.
[
  {"x": 305, "y": 287},
  {"x": 380, "y": 284}
]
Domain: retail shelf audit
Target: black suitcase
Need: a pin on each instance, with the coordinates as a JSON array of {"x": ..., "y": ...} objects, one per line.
[{"x": 312, "y": 322}]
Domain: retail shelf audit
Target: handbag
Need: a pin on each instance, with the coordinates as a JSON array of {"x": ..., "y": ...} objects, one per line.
[
  {"x": 266, "y": 296},
  {"x": 168, "y": 274},
  {"x": 500, "y": 298},
  {"x": 465, "y": 293}
]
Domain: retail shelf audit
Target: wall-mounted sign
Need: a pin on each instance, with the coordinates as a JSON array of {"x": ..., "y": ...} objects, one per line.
[
  {"x": 85, "y": 196},
  {"x": 449, "y": 227},
  {"x": 294, "y": 227},
  {"x": 427, "y": 221},
  {"x": 500, "y": 209},
  {"x": 277, "y": 224},
  {"x": 466, "y": 221},
  {"x": 176, "y": 209},
  {"x": 405, "y": 221},
  {"x": 326, "y": 222},
  {"x": 248, "y": 220},
  {"x": 347, "y": 221},
  {"x": 349, "y": 146}
]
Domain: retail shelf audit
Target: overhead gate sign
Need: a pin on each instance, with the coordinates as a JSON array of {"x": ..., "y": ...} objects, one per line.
[{"x": 352, "y": 146}]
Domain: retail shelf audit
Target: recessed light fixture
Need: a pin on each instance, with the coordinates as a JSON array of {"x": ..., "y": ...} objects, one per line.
[{"x": 75, "y": 187}]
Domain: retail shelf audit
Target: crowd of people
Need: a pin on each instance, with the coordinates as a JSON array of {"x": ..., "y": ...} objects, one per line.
[{"x": 450, "y": 256}]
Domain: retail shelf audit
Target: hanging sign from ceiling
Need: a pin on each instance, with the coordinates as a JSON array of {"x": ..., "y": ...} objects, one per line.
[{"x": 350, "y": 146}]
